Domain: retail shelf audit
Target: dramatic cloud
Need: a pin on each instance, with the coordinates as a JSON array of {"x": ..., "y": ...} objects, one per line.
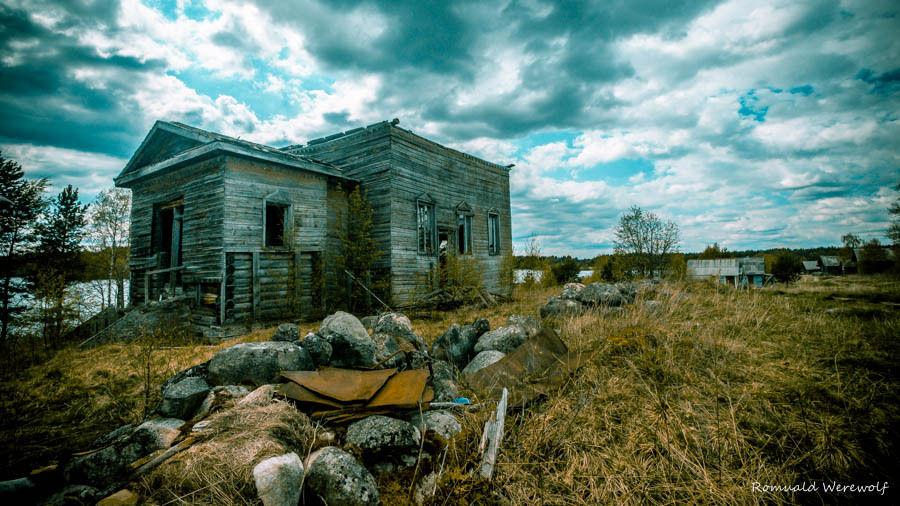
[{"x": 754, "y": 125}]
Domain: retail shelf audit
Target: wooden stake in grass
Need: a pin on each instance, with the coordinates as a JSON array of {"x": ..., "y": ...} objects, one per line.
[{"x": 494, "y": 433}]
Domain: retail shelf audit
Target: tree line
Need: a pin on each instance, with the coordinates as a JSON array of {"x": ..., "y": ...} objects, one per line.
[{"x": 48, "y": 243}]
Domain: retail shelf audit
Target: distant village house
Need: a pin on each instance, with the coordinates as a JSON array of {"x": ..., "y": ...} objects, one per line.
[{"x": 747, "y": 271}]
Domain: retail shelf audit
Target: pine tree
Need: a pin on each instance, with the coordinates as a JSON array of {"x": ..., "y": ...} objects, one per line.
[{"x": 21, "y": 203}]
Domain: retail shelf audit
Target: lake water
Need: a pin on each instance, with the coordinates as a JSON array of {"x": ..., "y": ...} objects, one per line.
[{"x": 521, "y": 274}]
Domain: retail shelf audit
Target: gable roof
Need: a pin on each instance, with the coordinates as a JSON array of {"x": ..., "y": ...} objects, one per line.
[
  {"x": 830, "y": 261},
  {"x": 170, "y": 145},
  {"x": 811, "y": 265},
  {"x": 718, "y": 267}
]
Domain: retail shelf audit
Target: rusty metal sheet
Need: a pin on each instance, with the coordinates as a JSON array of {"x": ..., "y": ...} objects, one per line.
[
  {"x": 427, "y": 395},
  {"x": 346, "y": 385},
  {"x": 305, "y": 395},
  {"x": 402, "y": 390},
  {"x": 535, "y": 368}
]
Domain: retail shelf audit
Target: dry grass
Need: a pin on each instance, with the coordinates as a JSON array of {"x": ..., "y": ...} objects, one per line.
[{"x": 692, "y": 404}]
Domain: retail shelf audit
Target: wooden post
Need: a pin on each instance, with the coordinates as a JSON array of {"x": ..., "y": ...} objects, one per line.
[
  {"x": 493, "y": 434},
  {"x": 146, "y": 287},
  {"x": 222, "y": 296},
  {"x": 256, "y": 294}
]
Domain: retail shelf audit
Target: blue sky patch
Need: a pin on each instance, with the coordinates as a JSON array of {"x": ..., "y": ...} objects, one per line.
[{"x": 750, "y": 108}]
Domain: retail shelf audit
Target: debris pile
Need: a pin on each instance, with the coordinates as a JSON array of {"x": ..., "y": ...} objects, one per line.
[
  {"x": 604, "y": 298},
  {"x": 258, "y": 408}
]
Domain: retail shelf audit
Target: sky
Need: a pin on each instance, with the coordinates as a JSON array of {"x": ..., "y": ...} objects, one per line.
[{"x": 752, "y": 124}]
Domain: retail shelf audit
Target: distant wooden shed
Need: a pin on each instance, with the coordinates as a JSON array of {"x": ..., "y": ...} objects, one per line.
[
  {"x": 811, "y": 267},
  {"x": 831, "y": 264},
  {"x": 747, "y": 271}
]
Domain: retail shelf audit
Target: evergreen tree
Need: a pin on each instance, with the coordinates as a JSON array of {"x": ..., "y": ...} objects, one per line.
[
  {"x": 21, "y": 203},
  {"x": 62, "y": 232}
]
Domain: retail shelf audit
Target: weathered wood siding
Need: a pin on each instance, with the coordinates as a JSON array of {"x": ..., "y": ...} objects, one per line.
[
  {"x": 450, "y": 178},
  {"x": 281, "y": 276},
  {"x": 202, "y": 188}
]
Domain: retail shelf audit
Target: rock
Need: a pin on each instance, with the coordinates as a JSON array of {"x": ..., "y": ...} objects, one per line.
[
  {"x": 257, "y": 363},
  {"x": 504, "y": 339},
  {"x": 443, "y": 381},
  {"x": 557, "y": 308},
  {"x": 416, "y": 359},
  {"x": 628, "y": 290},
  {"x": 286, "y": 332},
  {"x": 571, "y": 290},
  {"x": 319, "y": 349},
  {"x": 382, "y": 438},
  {"x": 443, "y": 423},
  {"x": 278, "y": 480},
  {"x": 388, "y": 353},
  {"x": 81, "y": 494},
  {"x": 154, "y": 434},
  {"x": 457, "y": 344},
  {"x": 351, "y": 345},
  {"x": 217, "y": 397},
  {"x": 123, "y": 497},
  {"x": 19, "y": 491},
  {"x": 181, "y": 399},
  {"x": 528, "y": 324},
  {"x": 601, "y": 294},
  {"x": 199, "y": 371},
  {"x": 425, "y": 488},
  {"x": 368, "y": 322},
  {"x": 482, "y": 360},
  {"x": 652, "y": 306},
  {"x": 338, "y": 478},
  {"x": 116, "y": 436},
  {"x": 259, "y": 397},
  {"x": 398, "y": 326}
]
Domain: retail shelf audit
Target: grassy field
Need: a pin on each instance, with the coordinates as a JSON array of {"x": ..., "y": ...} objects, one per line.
[{"x": 716, "y": 397}]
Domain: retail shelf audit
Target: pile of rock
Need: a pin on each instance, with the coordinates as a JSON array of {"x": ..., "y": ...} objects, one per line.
[{"x": 604, "y": 298}]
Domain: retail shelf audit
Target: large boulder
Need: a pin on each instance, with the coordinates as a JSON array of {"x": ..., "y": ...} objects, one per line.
[
  {"x": 382, "y": 438},
  {"x": 528, "y": 324},
  {"x": 260, "y": 397},
  {"x": 443, "y": 423},
  {"x": 571, "y": 290},
  {"x": 557, "y": 307},
  {"x": 351, "y": 345},
  {"x": 398, "y": 326},
  {"x": 388, "y": 352},
  {"x": 181, "y": 400},
  {"x": 319, "y": 349},
  {"x": 257, "y": 363},
  {"x": 601, "y": 294},
  {"x": 338, "y": 478},
  {"x": 482, "y": 360},
  {"x": 504, "y": 339},
  {"x": 278, "y": 480},
  {"x": 287, "y": 332},
  {"x": 197, "y": 371},
  {"x": 443, "y": 381},
  {"x": 457, "y": 344}
]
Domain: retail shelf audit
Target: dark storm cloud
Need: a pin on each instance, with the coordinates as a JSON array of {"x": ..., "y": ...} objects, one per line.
[{"x": 42, "y": 101}]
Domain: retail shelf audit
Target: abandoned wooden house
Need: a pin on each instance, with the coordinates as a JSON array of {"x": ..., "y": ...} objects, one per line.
[
  {"x": 250, "y": 231},
  {"x": 811, "y": 267},
  {"x": 745, "y": 271},
  {"x": 831, "y": 264}
]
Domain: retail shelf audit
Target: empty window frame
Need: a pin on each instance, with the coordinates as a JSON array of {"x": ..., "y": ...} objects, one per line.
[
  {"x": 426, "y": 227},
  {"x": 276, "y": 218},
  {"x": 493, "y": 233},
  {"x": 464, "y": 234}
]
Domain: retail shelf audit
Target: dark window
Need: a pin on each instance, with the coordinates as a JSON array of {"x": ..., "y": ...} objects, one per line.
[
  {"x": 494, "y": 233},
  {"x": 464, "y": 234},
  {"x": 426, "y": 226},
  {"x": 276, "y": 219}
]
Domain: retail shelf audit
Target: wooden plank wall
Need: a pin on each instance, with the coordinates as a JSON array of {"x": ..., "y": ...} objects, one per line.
[
  {"x": 449, "y": 177},
  {"x": 202, "y": 187}
]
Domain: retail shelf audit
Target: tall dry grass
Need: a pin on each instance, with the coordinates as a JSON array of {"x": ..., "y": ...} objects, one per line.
[{"x": 693, "y": 403}]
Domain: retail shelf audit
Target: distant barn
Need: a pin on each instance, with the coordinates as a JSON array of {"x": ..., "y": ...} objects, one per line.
[
  {"x": 831, "y": 264},
  {"x": 745, "y": 271},
  {"x": 811, "y": 267}
]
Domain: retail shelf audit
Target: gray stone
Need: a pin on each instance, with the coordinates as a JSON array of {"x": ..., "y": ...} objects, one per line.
[
  {"x": 287, "y": 332},
  {"x": 388, "y": 353},
  {"x": 257, "y": 363},
  {"x": 571, "y": 290},
  {"x": 443, "y": 423},
  {"x": 115, "y": 436},
  {"x": 457, "y": 344},
  {"x": 181, "y": 399},
  {"x": 150, "y": 436},
  {"x": 80, "y": 494},
  {"x": 652, "y": 306},
  {"x": 529, "y": 324},
  {"x": 559, "y": 308},
  {"x": 278, "y": 480},
  {"x": 443, "y": 381},
  {"x": 319, "y": 349},
  {"x": 482, "y": 360},
  {"x": 504, "y": 339},
  {"x": 351, "y": 345},
  {"x": 337, "y": 478},
  {"x": 260, "y": 397},
  {"x": 601, "y": 294},
  {"x": 416, "y": 359},
  {"x": 217, "y": 397},
  {"x": 398, "y": 326},
  {"x": 628, "y": 291},
  {"x": 425, "y": 488},
  {"x": 368, "y": 322},
  {"x": 19, "y": 491},
  {"x": 198, "y": 371},
  {"x": 382, "y": 438}
]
